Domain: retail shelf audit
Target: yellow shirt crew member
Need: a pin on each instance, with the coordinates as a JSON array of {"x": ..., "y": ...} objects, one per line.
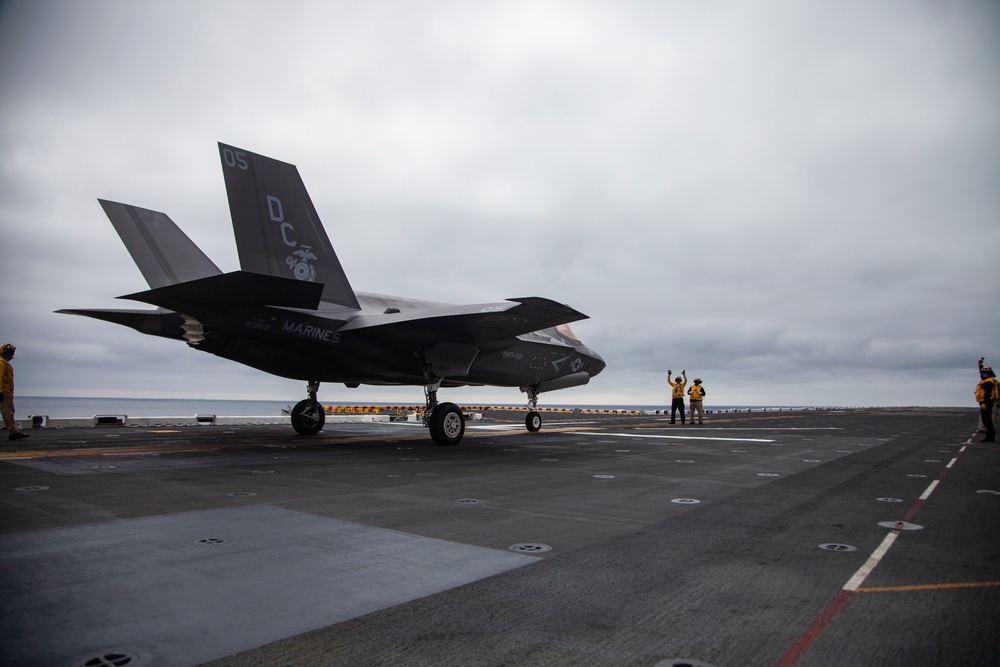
[
  {"x": 697, "y": 394},
  {"x": 677, "y": 396}
]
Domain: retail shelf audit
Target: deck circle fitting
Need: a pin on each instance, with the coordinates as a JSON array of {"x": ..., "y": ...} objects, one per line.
[
  {"x": 409, "y": 459},
  {"x": 739, "y": 451},
  {"x": 468, "y": 501},
  {"x": 113, "y": 657},
  {"x": 210, "y": 540},
  {"x": 768, "y": 474},
  {"x": 811, "y": 461},
  {"x": 262, "y": 472},
  {"x": 832, "y": 546},
  {"x": 889, "y": 500},
  {"x": 932, "y": 461},
  {"x": 995, "y": 493},
  {"x": 104, "y": 467},
  {"x": 530, "y": 547},
  {"x": 684, "y": 461},
  {"x": 916, "y": 475},
  {"x": 427, "y": 474},
  {"x": 685, "y": 501},
  {"x": 681, "y": 662},
  {"x": 241, "y": 493},
  {"x": 604, "y": 476},
  {"x": 45, "y": 488},
  {"x": 900, "y": 525},
  {"x": 550, "y": 459},
  {"x": 623, "y": 451}
]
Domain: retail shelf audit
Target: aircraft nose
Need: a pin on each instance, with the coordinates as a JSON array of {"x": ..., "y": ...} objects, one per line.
[{"x": 596, "y": 364}]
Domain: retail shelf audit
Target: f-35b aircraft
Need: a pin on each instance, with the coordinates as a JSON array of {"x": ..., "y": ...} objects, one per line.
[{"x": 291, "y": 311}]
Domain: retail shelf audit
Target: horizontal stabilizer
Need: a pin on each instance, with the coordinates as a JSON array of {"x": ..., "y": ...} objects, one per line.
[
  {"x": 153, "y": 322},
  {"x": 233, "y": 290},
  {"x": 163, "y": 253}
]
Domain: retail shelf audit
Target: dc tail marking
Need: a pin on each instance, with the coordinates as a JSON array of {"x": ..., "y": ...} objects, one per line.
[{"x": 278, "y": 231}]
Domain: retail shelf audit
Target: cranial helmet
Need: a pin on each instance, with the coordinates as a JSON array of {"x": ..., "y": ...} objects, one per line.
[{"x": 7, "y": 351}]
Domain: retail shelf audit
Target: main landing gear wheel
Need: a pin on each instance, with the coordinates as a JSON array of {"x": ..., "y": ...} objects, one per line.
[
  {"x": 447, "y": 424},
  {"x": 533, "y": 422},
  {"x": 308, "y": 417}
]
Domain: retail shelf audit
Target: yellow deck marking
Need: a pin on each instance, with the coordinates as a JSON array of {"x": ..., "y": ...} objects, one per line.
[{"x": 929, "y": 587}]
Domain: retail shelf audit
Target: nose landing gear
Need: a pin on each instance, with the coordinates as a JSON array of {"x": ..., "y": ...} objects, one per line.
[{"x": 533, "y": 422}]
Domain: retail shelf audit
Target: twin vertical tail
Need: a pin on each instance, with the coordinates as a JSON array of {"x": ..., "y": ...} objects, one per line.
[
  {"x": 278, "y": 232},
  {"x": 286, "y": 257}
]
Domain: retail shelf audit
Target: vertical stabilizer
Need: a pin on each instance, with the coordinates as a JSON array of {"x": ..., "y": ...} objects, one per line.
[
  {"x": 278, "y": 231},
  {"x": 163, "y": 253}
]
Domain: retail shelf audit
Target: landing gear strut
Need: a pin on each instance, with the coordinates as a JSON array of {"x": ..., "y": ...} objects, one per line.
[
  {"x": 533, "y": 422},
  {"x": 445, "y": 420},
  {"x": 308, "y": 416}
]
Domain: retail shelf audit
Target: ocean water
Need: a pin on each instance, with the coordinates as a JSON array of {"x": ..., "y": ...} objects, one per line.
[
  {"x": 56, "y": 407},
  {"x": 59, "y": 407}
]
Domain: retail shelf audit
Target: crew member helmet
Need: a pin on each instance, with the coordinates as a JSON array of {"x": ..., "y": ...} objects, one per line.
[
  {"x": 7, "y": 351},
  {"x": 986, "y": 369}
]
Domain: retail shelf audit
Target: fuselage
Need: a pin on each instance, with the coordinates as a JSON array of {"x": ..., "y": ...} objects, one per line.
[{"x": 323, "y": 345}]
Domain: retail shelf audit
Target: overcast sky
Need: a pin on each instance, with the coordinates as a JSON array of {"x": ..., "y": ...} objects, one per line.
[{"x": 798, "y": 202}]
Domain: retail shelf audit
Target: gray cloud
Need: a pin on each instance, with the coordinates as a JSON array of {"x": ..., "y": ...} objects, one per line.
[{"x": 797, "y": 202}]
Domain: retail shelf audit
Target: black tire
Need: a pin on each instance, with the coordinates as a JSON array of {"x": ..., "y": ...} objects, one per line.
[
  {"x": 447, "y": 424},
  {"x": 533, "y": 422},
  {"x": 308, "y": 417}
]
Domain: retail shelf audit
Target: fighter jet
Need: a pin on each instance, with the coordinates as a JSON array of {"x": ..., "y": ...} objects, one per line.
[{"x": 291, "y": 311}]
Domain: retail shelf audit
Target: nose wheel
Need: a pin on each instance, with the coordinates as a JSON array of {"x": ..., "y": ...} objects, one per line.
[{"x": 533, "y": 422}]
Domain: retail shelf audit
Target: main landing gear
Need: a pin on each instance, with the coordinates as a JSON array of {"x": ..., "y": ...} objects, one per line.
[
  {"x": 533, "y": 422},
  {"x": 308, "y": 416},
  {"x": 445, "y": 420}
]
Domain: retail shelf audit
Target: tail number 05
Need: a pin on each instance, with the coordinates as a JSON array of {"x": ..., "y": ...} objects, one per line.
[{"x": 235, "y": 158}]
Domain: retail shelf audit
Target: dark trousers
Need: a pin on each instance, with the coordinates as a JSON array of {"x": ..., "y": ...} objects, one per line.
[
  {"x": 675, "y": 405},
  {"x": 986, "y": 414}
]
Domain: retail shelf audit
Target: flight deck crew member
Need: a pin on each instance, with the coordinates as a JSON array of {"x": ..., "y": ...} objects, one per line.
[
  {"x": 677, "y": 400},
  {"x": 996, "y": 403},
  {"x": 7, "y": 392},
  {"x": 697, "y": 394},
  {"x": 986, "y": 396}
]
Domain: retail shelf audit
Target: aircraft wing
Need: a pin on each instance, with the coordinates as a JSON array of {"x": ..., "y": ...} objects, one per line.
[{"x": 474, "y": 324}]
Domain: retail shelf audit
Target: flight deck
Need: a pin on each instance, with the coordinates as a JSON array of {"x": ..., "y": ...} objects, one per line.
[{"x": 818, "y": 537}]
